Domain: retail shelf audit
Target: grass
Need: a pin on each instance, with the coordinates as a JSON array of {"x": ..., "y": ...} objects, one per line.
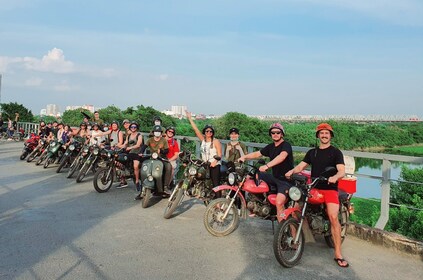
[
  {"x": 366, "y": 211},
  {"x": 408, "y": 150}
]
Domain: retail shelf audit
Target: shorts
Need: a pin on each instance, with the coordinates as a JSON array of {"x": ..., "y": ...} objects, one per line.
[{"x": 330, "y": 196}]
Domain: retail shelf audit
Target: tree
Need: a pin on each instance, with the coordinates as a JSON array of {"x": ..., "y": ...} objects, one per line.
[
  {"x": 9, "y": 110},
  {"x": 75, "y": 117}
]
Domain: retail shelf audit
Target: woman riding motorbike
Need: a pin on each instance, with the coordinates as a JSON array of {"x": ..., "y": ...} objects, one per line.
[{"x": 133, "y": 144}]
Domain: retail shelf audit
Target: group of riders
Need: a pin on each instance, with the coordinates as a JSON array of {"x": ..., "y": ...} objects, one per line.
[{"x": 278, "y": 151}]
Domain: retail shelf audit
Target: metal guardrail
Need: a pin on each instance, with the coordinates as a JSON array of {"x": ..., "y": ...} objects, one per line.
[{"x": 385, "y": 176}]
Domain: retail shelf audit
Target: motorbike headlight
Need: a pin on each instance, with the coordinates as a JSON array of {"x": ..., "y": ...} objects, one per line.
[
  {"x": 86, "y": 150},
  {"x": 53, "y": 144},
  {"x": 150, "y": 178},
  {"x": 231, "y": 178},
  {"x": 109, "y": 154},
  {"x": 71, "y": 147},
  {"x": 192, "y": 170},
  {"x": 295, "y": 193},
  {"x": 155, "y": 155},
  {"x": 95, "y": 151}
]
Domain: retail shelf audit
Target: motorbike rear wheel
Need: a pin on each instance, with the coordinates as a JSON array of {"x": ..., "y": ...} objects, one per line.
[
  {"x": 103, "y": 179},
  {"x": 174, "y": 200},
  {"x": 287, "y": 253},
  {"x": 74, "y": 166},
  {"x": 213, "y": 217},
  {"x": 147, "y": 197},
  {"x": 344, "y": 218}
]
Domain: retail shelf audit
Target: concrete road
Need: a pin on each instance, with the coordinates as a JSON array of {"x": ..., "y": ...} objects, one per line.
[{"x": 54, "y": 228}]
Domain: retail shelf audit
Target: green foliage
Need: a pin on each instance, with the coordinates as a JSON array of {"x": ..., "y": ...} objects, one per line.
[
  {"x": 75, "y": 117},
  {"x": 9, "y": 109},
  {"x": 406, "y": 221},
  {"x": 366, "y": 211},
  {"x": 46, "y": 119},
  {"x": 111, "y": 113},
  {"x": 145, "y": 117}
]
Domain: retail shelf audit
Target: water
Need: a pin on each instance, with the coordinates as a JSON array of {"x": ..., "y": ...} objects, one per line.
[{"x": 371, "y": 188}]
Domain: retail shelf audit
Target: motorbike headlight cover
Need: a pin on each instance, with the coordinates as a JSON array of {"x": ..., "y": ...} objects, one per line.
[
  {"x": 53, "y": 144},
  {"x": 86, "y": 150},
  {"x": 231, "y": 178},
  {"x": 155, "y": 155},
  {"x": 95, "y": 151},
  {"x": 192, "y": 170},
  {"x": 150, "y": 178},
  {"x": 109, "y": 154},
  {"x": 295, "y": 193},
  {"x": 71, "y": 147}
]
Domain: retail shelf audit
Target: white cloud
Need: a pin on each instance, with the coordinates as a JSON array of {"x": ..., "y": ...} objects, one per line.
[
  {"x": 163, "y": 77},
  {"x": 53, "y": 62},
  {"x": 31, "y": 82}
]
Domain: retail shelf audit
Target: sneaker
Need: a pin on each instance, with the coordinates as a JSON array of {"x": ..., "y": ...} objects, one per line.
[
  {"x": 139, "y": 196},
  {"x": 122, "y": 185},
  {"x": 138, "y": 186},
  {"x": 167, "y": 191}
]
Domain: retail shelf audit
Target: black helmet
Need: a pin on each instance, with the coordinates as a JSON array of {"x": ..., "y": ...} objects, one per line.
[
  {"x": 157, "y": 118},
  {"x": 157, "y": 128},
  {"x": 115, "y": 122},
  {"x": 83, "y": 123},
  {"x": 171, "y": 128},
  {"x": 95, "y": 124},
  {"x": 134, "y": 123},
  {"x": 234, "y": 129},
  {"x": 206, "y": 127}
]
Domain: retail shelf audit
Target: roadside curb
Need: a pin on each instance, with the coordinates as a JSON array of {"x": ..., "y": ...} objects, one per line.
[{"x": 392, "y": 241}]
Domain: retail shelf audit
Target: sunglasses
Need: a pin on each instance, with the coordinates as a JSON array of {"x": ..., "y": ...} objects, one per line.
[
  {"x": 133, "y": 126},
  {"x": 209, "y": 131},
  {"x": 275, "y": 132},
  {"x": 173, "y": 132}
]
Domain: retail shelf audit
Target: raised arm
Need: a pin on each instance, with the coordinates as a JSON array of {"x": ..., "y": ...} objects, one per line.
[{"x": 194, "y": 126}]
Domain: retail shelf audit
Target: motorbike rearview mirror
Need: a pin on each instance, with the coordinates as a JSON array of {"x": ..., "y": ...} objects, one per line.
[{"x": 329, "y": 171}]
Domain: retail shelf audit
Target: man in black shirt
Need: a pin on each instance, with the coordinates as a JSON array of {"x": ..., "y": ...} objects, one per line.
[
  {"x": 320, "y": 158},
  {"x": 281, "y": 161}
]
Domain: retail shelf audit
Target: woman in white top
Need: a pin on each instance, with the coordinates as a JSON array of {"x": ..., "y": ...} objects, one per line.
[{"x": 210, "y": 147}]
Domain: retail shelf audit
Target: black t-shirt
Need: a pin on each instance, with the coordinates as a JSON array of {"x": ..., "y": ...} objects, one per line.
[
  {"x": 44, "y": 131},
  {"x": 280, "y": 169},
  {"x": 320, "y": 159}
]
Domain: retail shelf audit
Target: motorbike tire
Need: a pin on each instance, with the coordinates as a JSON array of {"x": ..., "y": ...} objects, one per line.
[
  {"x": 212, "y": 217},
  {"x": 42, "y": 158},
  {"x": 82, "y": 172},
  {"x": 344, "y": 218},
  {"x": 287, "y": 254},
  {"x": 32, "y": 155},
  {"x": 174, "y": 200},
  {"x": 103, "y": 179},
  {"x": 23, "y": 155},
  {"x": 63, "y": 162},
  {"x": 49, "y": 159},
  {"x": 147, "y": 197},
  {"x": 74, "y": 166}
]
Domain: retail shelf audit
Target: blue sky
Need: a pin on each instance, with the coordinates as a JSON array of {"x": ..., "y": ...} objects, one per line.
[{"x": 283, "y": 57}]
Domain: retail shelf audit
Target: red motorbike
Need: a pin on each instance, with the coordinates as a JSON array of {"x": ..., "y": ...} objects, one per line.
[
  {"x": 306, "y": 216},
  {"x": 29, "y": 145},
  {"x": 222, "y": 215}
]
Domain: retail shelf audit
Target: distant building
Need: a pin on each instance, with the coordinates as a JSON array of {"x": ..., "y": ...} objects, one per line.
[
  {"x": 43, "y": 112},
  {"x": 87, "y": 107},
  {"x": 52, "y": 110},
  {"x": 179, "y": 110}
]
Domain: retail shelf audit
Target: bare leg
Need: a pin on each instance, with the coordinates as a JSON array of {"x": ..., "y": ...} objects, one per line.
[
  {"x": 280, "y": 202},
  {"x": 332, "y": 210}
]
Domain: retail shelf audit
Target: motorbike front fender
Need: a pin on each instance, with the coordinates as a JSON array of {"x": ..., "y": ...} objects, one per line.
[
  {"x": 148, "y": 184},
  {"x": 288, "y": 212}
]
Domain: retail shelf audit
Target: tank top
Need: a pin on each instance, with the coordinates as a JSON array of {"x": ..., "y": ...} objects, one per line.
[
  {"x": 114, "y": 138},
  {"x": 208, "y": 152},
  {"x": 133, "y": 142}
]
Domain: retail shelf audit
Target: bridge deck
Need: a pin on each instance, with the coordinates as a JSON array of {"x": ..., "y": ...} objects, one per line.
[{"x": 54, "y": 228}]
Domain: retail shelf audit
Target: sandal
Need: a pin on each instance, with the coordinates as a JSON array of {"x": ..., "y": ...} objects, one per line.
[{"x": 340, "y": 261}]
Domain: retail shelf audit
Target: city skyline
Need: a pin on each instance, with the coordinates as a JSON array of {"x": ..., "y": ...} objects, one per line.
[{"x": 303, "y": 57}]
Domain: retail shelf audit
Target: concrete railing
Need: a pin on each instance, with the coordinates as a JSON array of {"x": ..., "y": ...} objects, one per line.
[{"x": 385, "y": 172}]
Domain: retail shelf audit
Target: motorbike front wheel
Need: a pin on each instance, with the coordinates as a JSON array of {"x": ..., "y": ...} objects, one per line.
[
  {"x": 23, "y": 155},
  {"x": 63, "y": 162},
  {"x": 213, "y": 217},
  {"x": 83, "y": 172},
  {"x": 75, "y": 166},
  {"x": 286, "y": 252},
  {"x": 174, "y": 200},
  {"x": 103, "y": 179},
  {"x": 147, "y": 197},
  {"x": 49, "y": 160},
  {"x": 32, "y": 155},
  {"x": 42, "y": 158},
  {"x": 344, "y": 217}
]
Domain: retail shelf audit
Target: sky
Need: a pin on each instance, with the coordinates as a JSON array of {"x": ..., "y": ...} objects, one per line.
[{"x": 258, "y": 57}]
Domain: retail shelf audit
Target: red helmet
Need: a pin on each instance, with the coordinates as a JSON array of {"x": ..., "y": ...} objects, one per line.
[
  {"x": 323, "y": 126},
  {"x": 277, "y": 126}
]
